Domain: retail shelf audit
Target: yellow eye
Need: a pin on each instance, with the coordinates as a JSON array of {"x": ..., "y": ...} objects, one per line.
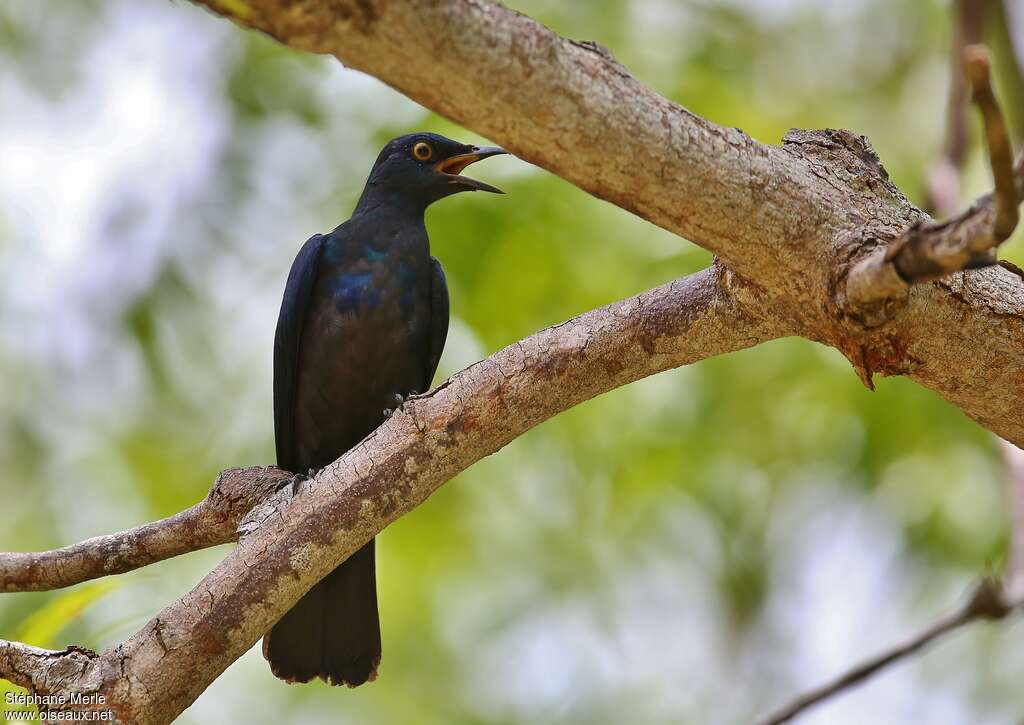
[{"x": 422, "y": 151}]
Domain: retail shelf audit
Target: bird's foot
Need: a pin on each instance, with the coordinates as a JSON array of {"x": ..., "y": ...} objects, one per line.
[
  {"x": 399, "y": 400},
  {"x": 296, "y": 481},
  {"x": 292, "y": 483},
  {"x": 285, "y": 491}
]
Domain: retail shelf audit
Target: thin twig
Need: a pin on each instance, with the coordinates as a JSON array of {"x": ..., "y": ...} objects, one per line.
[
  {"x": 1009, "y": 60},
  {"x": 997, "y": 140},
  {"x": 933, "y": 250},
  {"x": 992, "y": 599},
  {"x": 987, "y": 602},
  {"x": 943, "y": 182}
]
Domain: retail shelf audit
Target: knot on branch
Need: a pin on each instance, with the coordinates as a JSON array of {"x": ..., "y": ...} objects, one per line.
[
  {"x": 237, "y": 490},
  {"x": 50, "y": 672},
  {"x": 848, "y": 161},
  {"x": 753, "y": 298},
  {"x": 284, "y": 489},
  {"x": 837, "y": 146},
  {"x": 865, "y": 270},
  {"x": 989, "y": 600}
]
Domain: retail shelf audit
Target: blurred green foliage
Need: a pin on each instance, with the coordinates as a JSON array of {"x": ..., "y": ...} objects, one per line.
[
  {"x": 42, "y": 628},
  {"x": 691, "y": 548}
]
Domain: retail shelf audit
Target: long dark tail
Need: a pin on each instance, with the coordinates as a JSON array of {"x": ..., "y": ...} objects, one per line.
[{"x": 333, "y": 632}]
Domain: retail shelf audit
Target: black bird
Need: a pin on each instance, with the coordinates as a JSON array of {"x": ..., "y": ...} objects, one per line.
[{"x": 362, "y": 324}]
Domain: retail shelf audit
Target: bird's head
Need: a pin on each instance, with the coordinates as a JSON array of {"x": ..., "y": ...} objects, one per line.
[{"x": 425, "y": 167}]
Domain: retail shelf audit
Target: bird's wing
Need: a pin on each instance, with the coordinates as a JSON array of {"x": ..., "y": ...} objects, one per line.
[
  {"x": 297, "y": 292},
  {"x": 438, "y": 317}
]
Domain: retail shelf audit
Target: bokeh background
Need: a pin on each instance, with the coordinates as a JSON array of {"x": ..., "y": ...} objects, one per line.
[{"x": 694, "y": 548}]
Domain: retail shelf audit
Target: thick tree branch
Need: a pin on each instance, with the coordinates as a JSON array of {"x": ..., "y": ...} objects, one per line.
[
  {"x": 212, "y": 521},
  {"x": 44, "y": 670},
  {"x": 789, "y": 223},
  {"x": 992, "y": 599},
  {"x": 563, "y": 104},
  {"x": 161, "y": 669},
  {"x": 791, "y": 220}
]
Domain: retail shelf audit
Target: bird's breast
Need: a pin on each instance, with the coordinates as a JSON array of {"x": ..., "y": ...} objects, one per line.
[
  {"x": 354, "y": 292},
  {"x": 367, "y": 291},
  {"x": 365, "y": 339}
]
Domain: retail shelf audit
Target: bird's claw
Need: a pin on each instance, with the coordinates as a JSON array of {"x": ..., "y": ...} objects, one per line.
[
  {"x": 399, "y": 401},
  {"x": 292, "y": 482},
  {"x": 296, "y": 480}
]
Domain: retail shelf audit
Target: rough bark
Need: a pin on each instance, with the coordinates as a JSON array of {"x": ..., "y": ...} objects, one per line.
[
  {"x": 931, "y": 251},
  {"x": 212, "y": 521},
  {"x": 927, "y": 252},
  {"x": 789, "y": 222},
  {"x": 160, "y": 670}
]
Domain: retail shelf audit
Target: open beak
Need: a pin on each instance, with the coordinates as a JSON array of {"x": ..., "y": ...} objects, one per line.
[{"x": 453, "y": 166}]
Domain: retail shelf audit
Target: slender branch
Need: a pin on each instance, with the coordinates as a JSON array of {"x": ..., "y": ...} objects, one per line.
[
  {"x": 210, "y": 522},
  {"x": 1009, "y": 55},
  {"x": 943, "y": 179},
  {"x": 992, "y": 599},
  {"x": 968, "y": 241},
  {"x": 930, "y": 251},
  {"x": 987, "y": 602},
  {"x": 786, "y": 222},
  {"x": 790, "y": 219},
  {"x": 161, "y": 669},
  {"x": 997, "y": 139}
]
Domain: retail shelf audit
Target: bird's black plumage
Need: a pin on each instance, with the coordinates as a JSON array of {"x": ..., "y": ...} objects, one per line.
[{"x": 363, "y": 322}]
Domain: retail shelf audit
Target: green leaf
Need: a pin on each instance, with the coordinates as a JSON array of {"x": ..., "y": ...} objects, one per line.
[{"x": 42, "y": 626}]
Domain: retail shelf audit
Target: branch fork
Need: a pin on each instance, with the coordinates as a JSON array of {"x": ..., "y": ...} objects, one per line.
[
  {"x": 771, "y": 214},
  {"x": 295, "y": 531}
]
